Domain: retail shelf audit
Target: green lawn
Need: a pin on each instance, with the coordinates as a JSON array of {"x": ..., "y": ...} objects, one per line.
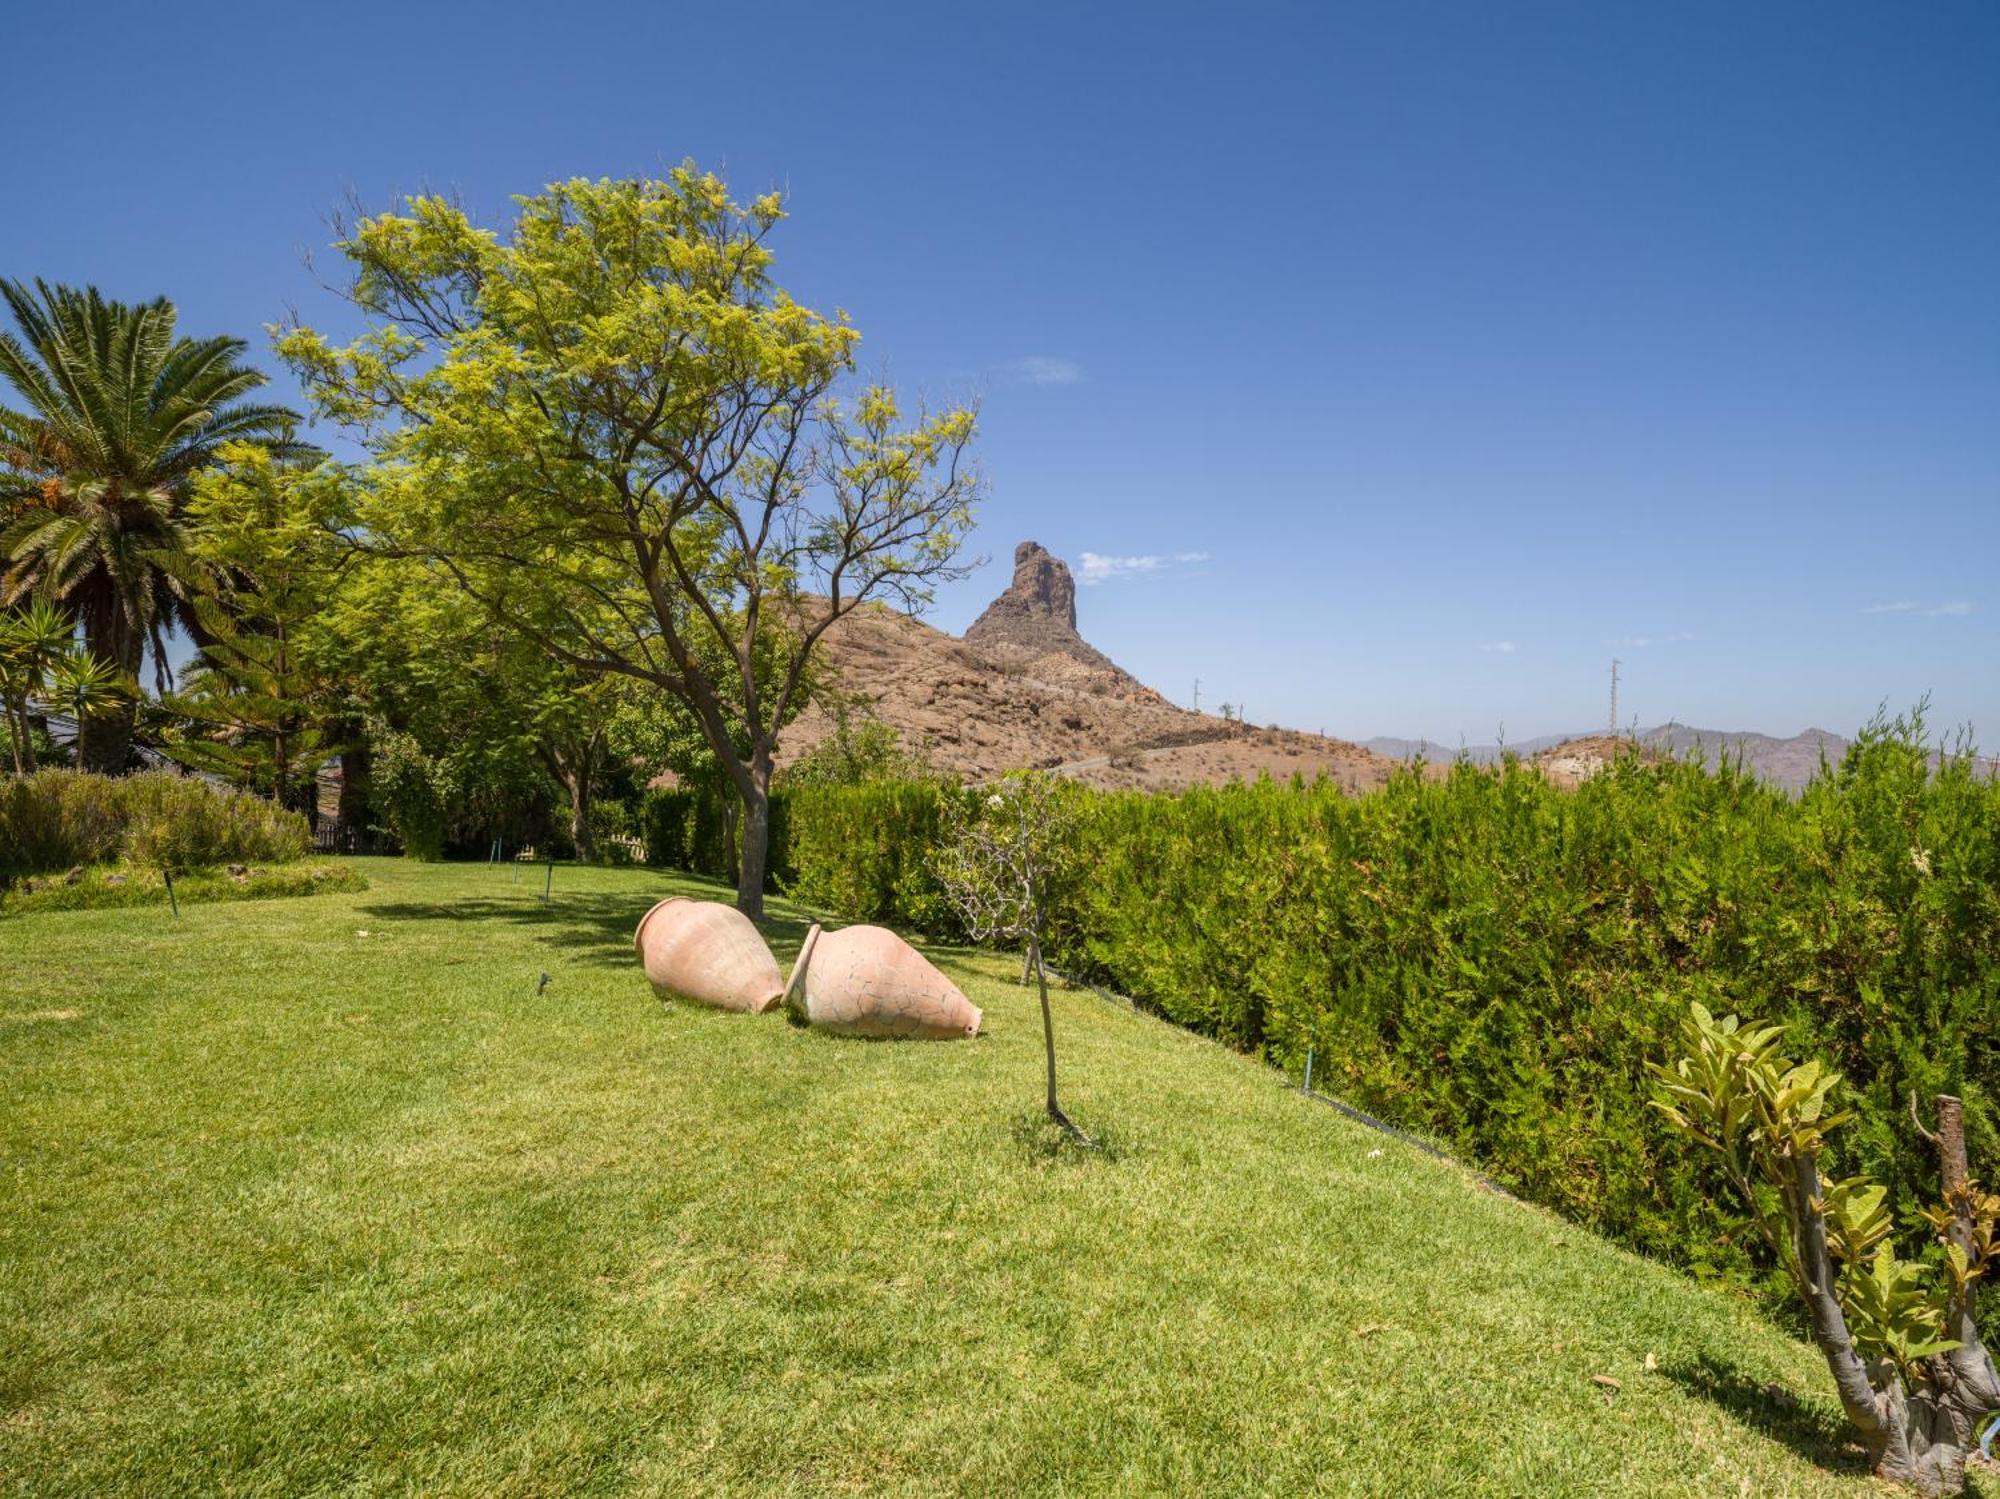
[{"x": 319, "y": 1195}]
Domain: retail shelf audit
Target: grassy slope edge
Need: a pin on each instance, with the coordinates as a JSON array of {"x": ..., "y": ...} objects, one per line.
[
  {"x": 287, "y": 1208},
  {"x": 125, "y": 885}
]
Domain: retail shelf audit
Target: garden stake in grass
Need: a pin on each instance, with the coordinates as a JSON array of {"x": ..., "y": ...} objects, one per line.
[
  {"x": 172, "y": 900},
  {"x": 550, "y": 883},
  {"x": 1309, "y": 1070}
]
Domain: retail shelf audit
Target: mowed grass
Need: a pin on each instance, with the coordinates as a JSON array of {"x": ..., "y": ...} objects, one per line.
[{"x": 320, "y": 1196}]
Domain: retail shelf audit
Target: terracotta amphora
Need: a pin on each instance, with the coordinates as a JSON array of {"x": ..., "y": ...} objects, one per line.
[
  {"x": 867, "y": 981},
  {"x": 710, "y": 953}
]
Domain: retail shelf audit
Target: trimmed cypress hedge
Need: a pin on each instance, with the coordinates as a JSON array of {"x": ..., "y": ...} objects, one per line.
[{"x": 1491, "y": 960}]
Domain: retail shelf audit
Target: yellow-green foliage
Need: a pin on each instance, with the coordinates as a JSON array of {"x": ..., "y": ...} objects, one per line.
[
  {"x": 1491, "y": 960},
  {"x": 55, "y": 819},
  {"x": 1766, "y": 1118}
]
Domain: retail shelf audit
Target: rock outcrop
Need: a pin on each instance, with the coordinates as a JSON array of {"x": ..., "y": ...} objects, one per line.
[
  {"x": 1037, "y": 613},
  {"x": 1024, "y": 689}
]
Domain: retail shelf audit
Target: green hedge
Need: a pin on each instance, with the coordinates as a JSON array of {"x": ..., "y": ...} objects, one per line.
[
  {"x": 1490, "y": 960},
  {"x": 695, "y": 829},
  {"x": 865, "y": 852},
  {"x": 56, "y": 819}
]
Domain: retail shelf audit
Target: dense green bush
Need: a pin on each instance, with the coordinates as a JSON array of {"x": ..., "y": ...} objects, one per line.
[
  {"x": 865, "y": 851},
  {"x": 412, "y": 792},
  {"x": 1490, "y": 959},
  {"x": 688, "y": 828},
  {"x": 55, "y": 819}
]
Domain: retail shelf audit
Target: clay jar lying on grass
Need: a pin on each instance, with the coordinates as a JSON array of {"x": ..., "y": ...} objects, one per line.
[
  {"x": 867, "y": 981},
  {"x": 709, "y": 953}
]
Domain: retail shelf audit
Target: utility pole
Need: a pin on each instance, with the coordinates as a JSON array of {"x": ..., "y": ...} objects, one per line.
[{"x": 1614, "y": 694}]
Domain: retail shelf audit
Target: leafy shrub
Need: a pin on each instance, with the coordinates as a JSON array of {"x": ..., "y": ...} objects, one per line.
[
  {"x": 54, "y": 819},
  {"x": 866, "y": 852},
  {"x": 182, "y": 823},
  {"x": 694, "y": 828},
  {"x": 1491, "y": 960},
  {"x": 413, "y": 792}
]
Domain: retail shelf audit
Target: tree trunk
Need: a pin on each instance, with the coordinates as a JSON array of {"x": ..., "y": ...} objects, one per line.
[
  {"x": 755, "y": 789},
  {"x": 1049, "y": 1044},
  {"x": 104, "y": 740},
  {"x": 577, "y": 784},
  {"x": 17, "y": 736},
  {"x": 1048, "y": 1030},
  {"x": 1915, "y": 1437},
  {"x": 354, "y": 776}
]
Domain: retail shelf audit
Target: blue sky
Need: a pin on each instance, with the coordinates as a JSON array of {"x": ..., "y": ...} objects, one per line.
[{"x": 1433, "y": 353}]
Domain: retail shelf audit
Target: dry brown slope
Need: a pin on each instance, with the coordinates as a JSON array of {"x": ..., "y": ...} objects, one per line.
[{"x": 981, "y": 710}]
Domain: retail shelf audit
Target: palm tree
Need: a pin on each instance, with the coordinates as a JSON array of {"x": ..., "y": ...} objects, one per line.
[{"x": 118, "y": 415}]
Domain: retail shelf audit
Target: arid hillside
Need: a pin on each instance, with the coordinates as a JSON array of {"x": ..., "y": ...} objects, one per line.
[{"x": 1024, "y": 689}]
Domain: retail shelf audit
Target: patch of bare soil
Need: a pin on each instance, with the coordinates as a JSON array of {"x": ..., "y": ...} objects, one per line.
[{"x": 1575, "y": 761}]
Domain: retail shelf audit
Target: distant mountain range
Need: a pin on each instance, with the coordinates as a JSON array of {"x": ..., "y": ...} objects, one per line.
[
  {"x": 1024, "y": 688},
  {"x": 1785, "y": 762}
]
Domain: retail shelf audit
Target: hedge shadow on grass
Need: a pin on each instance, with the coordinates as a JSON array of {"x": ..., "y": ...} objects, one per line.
[{"x": 1813, "y": 1430}]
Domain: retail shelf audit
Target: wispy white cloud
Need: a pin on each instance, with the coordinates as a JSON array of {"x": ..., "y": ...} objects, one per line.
[
  {"x": 1640, "y": 642},
  {"x": 1955, "y": 608},
  {"x": 1039, "y": 369},
  {"x": 1098, "y": 568},
  {"x": 1498, "y": 647}
]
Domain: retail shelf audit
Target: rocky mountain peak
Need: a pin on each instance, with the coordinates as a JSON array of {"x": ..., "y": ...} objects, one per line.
[
  {"x": 1035, "y": 618},
  {"x": 1042, "y": 595}
]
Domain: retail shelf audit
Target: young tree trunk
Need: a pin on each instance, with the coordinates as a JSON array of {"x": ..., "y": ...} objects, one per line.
[
  {"x": 1049, "y": 1045},
  {"x": 17, "y": 736},
  {"x": 578, "y": 787},
  {"x": 755, "y": 789},
  {"x": 354, "y": 776},
  {"x": 1048, "y": 1032}
]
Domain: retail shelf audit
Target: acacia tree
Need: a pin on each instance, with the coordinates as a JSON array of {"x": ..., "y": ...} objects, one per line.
[
  {"x": 490, "y": 714},
  {"x": 1913, "y": 1375},
  {"x": 1000, "y": 859},
  {"x": 617, "y": 434},
  {"x": 261, "y": 568}
]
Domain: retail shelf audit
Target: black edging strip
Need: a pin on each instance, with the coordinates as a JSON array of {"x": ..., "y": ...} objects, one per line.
[
  {"x": 1408, "y": 1139},
  {"x": 1357, "y": 1115},
  {"x": 1381, "y": 1126}
]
